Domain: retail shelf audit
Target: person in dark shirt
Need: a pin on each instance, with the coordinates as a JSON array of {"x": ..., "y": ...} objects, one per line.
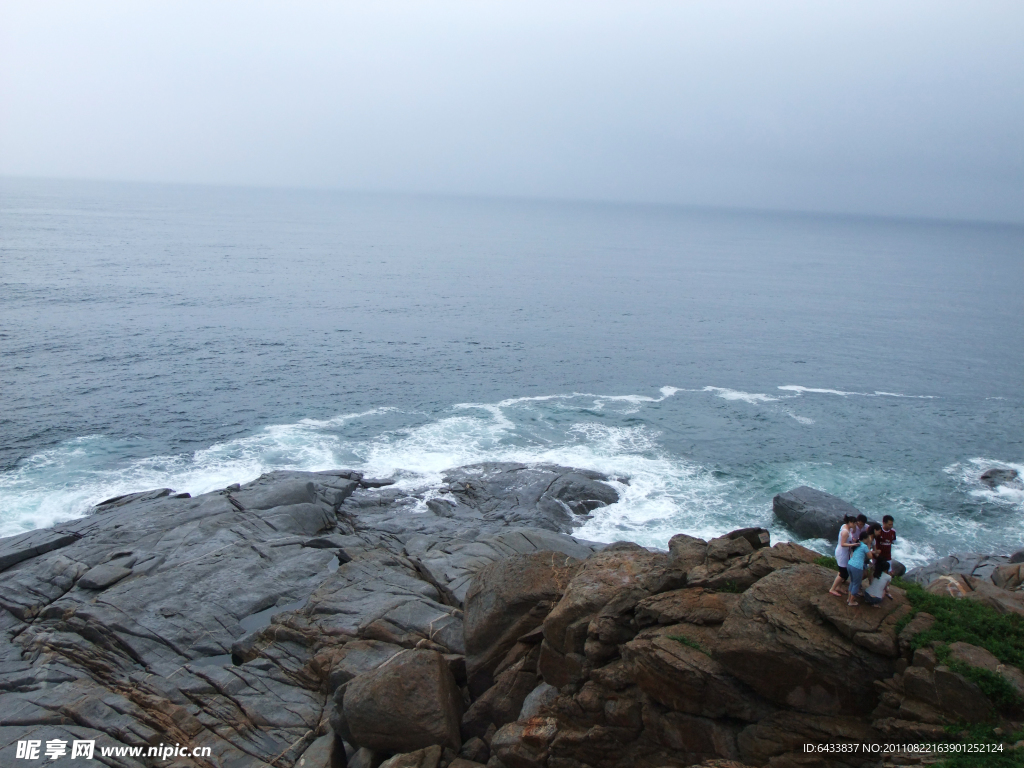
[{"x": 884, "y": 540}]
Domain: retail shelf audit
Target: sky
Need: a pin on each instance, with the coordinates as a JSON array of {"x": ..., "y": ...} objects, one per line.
[{"x": 893, "y": 108}]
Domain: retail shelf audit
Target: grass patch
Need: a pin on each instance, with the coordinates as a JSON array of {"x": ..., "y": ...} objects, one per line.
[
  {"x": 982, "y": 734},
  {"x": 995, "y": 687},
  {"x": 692, "y": 643},
  {"x": 828, "y": 561},
  {"x": 965, "y": 621}
]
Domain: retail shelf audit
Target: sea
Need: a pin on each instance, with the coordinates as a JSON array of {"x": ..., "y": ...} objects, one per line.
[{"x": 191, "y": 337}]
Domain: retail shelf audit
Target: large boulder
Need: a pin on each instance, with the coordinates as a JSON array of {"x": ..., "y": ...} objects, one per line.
[
  {"x": 503, "y": 701},
  {"x": 617, "y": 577},
  {"x": 456, "y": 562},
  {"x": 939, "y": 696},
  {"x": 686, "y": 552},
  {"x": 525, "y": 744},
  {"x": 541, "y": 495},
  {"x": 506, "y": 600},
  {"x": 355, "y": 658},
  {"x": 775, "y": 642},
  {"x": 873, "y": 629},
  {"x": 974, "y": 656},
  {"x": 787, "y": 732},
  {"x": 685, "y": 679},
  {"x": 812, "y": 514},
  {"x": 736, "y": 574},
  {"x": 404, "y": 705},
  {"x": 690, "y": 605},
  {"x": 1009, "y": 576},
  {"x": 421, "y": 758}
]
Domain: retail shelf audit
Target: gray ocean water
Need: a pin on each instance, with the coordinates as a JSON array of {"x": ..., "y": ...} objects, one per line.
[{"x": 193, "y": 337}]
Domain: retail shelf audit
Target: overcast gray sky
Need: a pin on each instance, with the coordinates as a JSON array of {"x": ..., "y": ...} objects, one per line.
[{"x": 900, "y": 108}]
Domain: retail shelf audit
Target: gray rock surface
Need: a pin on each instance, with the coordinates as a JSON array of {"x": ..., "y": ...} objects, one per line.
[
  {"x": 102, "y": 576},
  {"x": 14, "y": 549},
  {"x": 409, "y": 703},
  {"x": 974, "y": 564},
  {"x": 999, "y": 476},
  {"x": 537, "y": 699},
  {"x": 812, "y": 514},
  {"x": 228, "y": 620}
]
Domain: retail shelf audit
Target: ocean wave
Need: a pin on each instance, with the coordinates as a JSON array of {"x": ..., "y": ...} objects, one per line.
[
  {"x": 821, "y": 391},
  {"x": 968, "y": 477},
  {"x": 735, "y": 394},
  {"x": 661, "y": 493},
  {"x": 65, "y": 482},
  {"x": 337, "y": 421}
]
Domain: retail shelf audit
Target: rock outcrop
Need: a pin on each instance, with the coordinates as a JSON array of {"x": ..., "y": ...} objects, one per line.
[
  {"x": 812, "y": 514},
  {"x": 234, "y": 620},
  {"x": 997, "y": 476},
  {"x": 321, "y": 620},
  {"x": 408, "y": 703},
  {"x": 994, "y": 580}
]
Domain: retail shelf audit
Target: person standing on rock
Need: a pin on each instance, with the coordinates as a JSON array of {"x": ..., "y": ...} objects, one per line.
[
  {"x": 872, "y": 559},
  {"x": 884, "y": 540},
  {"x": 857, "y": 563},
  {"x": 846, "y": 541}
]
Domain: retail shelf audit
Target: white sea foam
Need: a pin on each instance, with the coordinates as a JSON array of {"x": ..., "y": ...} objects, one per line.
[
  {"x": 757, "y": 399},
  {"x": 65, "y": 482},
  {"x": 665, "y": 493},
  {"x": 968, "y": 476},
  {"x": 801, "y": 419},
  {"x": 337, "y": 421},
  {"x": 820, "y": 391},
  {"x": 735, "y": 394}
]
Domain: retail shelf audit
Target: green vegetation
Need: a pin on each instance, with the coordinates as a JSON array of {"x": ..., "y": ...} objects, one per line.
[
  {"x": 966, "y": 621},
  {"x": 692, "y": 643},
  {"x": 828, "y": 561},
  {"x": 983, "y": 734},
  {"x": 995, "y": 687}
]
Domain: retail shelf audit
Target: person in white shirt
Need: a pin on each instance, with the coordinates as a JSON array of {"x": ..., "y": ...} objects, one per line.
[
  {"x": 878, "y": 589},
  {"x": 846, "y": 541}
]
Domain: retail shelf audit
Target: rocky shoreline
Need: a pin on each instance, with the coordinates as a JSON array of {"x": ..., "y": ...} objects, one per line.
[{"x": 324, "y": 619}]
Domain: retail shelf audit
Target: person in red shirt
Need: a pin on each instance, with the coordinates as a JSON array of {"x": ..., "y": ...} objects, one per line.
[{"x": 884, "y": 540}]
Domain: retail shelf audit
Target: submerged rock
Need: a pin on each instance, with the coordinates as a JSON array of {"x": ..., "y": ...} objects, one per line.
[{"x": 997, "y": 476}]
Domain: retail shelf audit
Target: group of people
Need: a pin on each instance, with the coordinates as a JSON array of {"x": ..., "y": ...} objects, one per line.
[{"x": 864, "y": 555}]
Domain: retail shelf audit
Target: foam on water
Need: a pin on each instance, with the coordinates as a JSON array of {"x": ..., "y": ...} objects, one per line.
[
  {"x": 65, "y": 482},
  {"x": 746, "y": 397},
  {"x": 818, "y": 391},
  {"x": 661, "y": 493},
  {"x": 664, "y": 494},
  {"x": 1009, "y": 496}
]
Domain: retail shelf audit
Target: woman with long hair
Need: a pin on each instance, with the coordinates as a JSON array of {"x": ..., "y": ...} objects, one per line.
[{"x": 846, "y": 541}]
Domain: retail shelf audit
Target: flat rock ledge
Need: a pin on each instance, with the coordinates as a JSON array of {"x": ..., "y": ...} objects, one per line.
[{"x": 324, "y": 620}]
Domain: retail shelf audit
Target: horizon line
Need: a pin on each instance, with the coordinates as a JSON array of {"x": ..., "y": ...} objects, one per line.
[{"x": 525, "y": 198}]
